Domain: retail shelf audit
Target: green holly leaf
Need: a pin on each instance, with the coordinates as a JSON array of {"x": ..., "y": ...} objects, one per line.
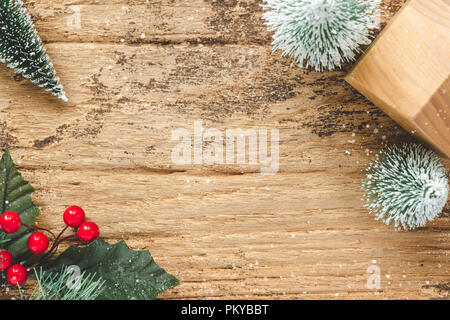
[
  {"x": 128, "y": 274},
  {"x": 15, "y": 195}
]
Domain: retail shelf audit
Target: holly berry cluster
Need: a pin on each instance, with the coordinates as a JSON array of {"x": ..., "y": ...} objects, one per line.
[{"x": 38, "y": 242}]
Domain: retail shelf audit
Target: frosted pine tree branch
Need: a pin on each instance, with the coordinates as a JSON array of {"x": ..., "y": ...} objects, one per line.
[
  {"x": 321, "y": 34},
  {"x": 407, "y": 185},
  {"x": 21, "y": 48},
  {"x": 54, "y": 286}
]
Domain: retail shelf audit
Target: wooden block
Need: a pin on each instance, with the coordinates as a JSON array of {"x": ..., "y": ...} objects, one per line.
[{"x": 406, "y": 71}]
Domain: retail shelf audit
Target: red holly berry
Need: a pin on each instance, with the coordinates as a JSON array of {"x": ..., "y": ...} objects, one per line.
[
  {"x": 10, "y": 222},
  {"x": 88, "y": 231},
  {"x": 73, "y": 216},
  {"x": 16, "y": 275},
  {"x": 5, "y": 259},
  {"x": 37, "y": 242}
]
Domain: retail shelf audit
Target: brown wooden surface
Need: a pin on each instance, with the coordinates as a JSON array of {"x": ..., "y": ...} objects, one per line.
[
  {"x": 224, "y": 230},
  {"x": 407, "y": 68}
]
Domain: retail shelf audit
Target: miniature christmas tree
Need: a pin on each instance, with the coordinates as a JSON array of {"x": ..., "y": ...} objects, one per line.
[
  {"x": 406, "y": 184},
  {"x": 21, "y": 48},
  {"x": 414, "y": 47},
  {"x": 324, "y": 33}
]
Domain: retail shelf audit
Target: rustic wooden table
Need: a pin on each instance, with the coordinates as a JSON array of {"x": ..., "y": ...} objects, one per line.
[{"x": 136, "y": 70}]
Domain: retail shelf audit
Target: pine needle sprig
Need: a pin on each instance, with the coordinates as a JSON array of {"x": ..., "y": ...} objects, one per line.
[
  {"x": 54, "y": 286},
  {"x": 407, "y": 185},
  {"x": 22, "y": 50},
  {"x": 323, "y": 34}
]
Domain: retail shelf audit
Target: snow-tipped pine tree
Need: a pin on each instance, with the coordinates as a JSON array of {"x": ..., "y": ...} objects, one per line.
[
  {"x": 407, "y": 185},
  {"x": 21, "y": 48},
  {"x": 322, "y": 34}
]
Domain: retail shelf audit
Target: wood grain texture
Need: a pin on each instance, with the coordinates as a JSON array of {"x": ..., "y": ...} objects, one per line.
[
  {"x": 225, "y": 231},
  {"x": 407, "y": 69}
]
